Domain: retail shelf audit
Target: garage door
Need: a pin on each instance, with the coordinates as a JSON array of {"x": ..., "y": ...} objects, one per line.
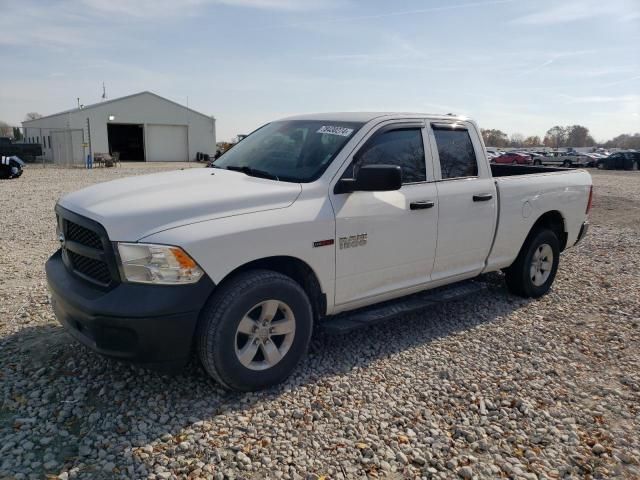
[{"x": 166, "y": 143}]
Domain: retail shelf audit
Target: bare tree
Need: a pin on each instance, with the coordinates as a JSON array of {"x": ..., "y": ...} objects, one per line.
[
  {"x": 494, "y": 138},
  {"x": 532, "y": 141},
  {"x": 556, "y": 137},
  {"x": 5, "y": 129},
  {"x": 624, "y": 141},
  {"x": 516, "y": 140},
  {"x": 32, "y": 116},
  {"x": 578, "y": 136}
]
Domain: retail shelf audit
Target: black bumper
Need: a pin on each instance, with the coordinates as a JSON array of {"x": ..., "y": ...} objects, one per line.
[{"x": 150, "y": 324}]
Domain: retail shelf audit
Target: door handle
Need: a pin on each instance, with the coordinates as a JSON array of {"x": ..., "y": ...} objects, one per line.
[
  {"x": 423, "y": 205},
  {"x": 482, "y": 197}
]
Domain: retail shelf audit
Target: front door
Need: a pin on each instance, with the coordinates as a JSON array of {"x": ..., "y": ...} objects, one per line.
[
  {"x": 386, "y": 241},
  {"x": 467, "y": 200}
]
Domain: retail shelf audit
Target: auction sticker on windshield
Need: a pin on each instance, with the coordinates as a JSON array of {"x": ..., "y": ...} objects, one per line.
[{"x": 333, "y": 130}]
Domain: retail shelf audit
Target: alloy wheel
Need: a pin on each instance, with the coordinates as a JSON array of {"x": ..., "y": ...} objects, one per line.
[{"x": 265, "y": 334}]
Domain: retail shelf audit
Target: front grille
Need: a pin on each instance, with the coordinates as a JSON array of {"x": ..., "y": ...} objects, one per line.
[
  {"x": 82, "y": 235},
  {"x": 94, "y": 269},
  {"x": 86, "y": 249}
]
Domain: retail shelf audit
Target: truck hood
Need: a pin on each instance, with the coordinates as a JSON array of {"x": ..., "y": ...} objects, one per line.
[{"x": 135, "y": 207}]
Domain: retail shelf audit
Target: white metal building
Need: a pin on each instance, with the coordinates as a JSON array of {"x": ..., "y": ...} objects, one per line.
[{"x": 141, "y": 127}]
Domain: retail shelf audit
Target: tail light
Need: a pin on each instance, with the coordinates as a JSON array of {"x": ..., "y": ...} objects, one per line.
[{"x": 590, "y": 202}]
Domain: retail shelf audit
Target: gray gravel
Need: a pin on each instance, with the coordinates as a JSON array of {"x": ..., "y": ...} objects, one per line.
[{"x": 491, "y": 386}]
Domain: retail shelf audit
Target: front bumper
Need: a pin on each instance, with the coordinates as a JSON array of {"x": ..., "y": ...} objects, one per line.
[{"x": 150, "y": 324}]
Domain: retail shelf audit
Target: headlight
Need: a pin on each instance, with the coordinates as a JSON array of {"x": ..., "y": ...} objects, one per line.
[{"x": 159, "y": 264}]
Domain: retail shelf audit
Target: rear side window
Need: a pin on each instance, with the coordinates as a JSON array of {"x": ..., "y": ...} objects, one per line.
[
  {"x": 457, "y": 156},
  {"x": 396, "y": 147}
]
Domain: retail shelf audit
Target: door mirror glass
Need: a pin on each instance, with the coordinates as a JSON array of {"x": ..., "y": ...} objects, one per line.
[{"x": 373, "y": 178}]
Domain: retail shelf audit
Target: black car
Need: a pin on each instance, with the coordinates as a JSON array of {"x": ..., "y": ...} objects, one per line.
[
  {"x": 620, "y": 161},
  {"x": 10, "y": 167}
]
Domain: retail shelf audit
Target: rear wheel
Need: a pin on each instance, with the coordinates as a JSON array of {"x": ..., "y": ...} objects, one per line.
[
  {"x": 537, "y": 162},
  {"x": 566, "y": 163},
  {"x": 254, "y": 330},
  {"x": 534, "y": 270},
  {"x": 515, "y": 162},
  {"x": 601, "y": 166},
  {"x": 634, "y": 165}
]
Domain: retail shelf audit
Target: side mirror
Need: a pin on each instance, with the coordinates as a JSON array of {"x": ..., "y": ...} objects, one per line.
[{"x": 372, "y": 178}]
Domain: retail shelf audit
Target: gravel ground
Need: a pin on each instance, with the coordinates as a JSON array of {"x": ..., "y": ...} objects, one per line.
[{"x": 492, "y": 386}]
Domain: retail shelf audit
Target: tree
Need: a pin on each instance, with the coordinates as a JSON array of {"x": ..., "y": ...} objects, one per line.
[
  {"x": 624, "y": 141},
  {"x": 533, "y": 141},
  {"x": 578, "y": 136},
  {"x": 32, "y": 116},
  {"x": 17, "y": 134},
  {"x": 494, "y": 138},
  {"x": 516, "y": 140},
  {"x": 5, "y": 129},
  {"x": 556, "y": 137}
]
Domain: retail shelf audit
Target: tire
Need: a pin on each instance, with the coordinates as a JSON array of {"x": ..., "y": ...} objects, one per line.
[
  {"x": 515, "y": 162},
  {"x": 566, "y": 164},
  {"x": 241, "y": 300},
  {"x": 537, "y": 162},
  {"x": 634, "y": 165},
  {"x": 519, "y": 278},
  {"x": 601, "y": 166}
]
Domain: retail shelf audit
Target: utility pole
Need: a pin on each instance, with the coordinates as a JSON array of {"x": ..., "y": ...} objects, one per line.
[{"x": 90, "y": 156}]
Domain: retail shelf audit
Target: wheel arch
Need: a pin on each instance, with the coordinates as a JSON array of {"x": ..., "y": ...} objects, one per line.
[
  {"x": 294, "y": 268},
  {"x": 554, "y": 221}
]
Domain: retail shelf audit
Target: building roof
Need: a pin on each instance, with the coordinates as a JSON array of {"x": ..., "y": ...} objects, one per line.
[{"x": 106, "y": 102}]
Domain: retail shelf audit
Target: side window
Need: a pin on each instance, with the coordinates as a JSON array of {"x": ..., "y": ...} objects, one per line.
[
  {"x": 402, "y": 147},
  {"x": 457, "y": 156}
]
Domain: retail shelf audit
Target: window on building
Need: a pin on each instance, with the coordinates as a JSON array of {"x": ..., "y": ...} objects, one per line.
[
  {"x": 401, "y": 147},
  {"x": 457, "y": 156},
  {"x": 49, "y": 140}
]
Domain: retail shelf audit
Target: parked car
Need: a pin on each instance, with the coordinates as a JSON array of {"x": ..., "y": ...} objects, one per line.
[
  {"x": 564, "y": 159},
  {"x": 10, "y": 167},
  {"x": 513, "y": 158},
  {"x": 25, "y": 151},
  {"x": 326, "y": 219},
  {"x": 620, "y": 161}
]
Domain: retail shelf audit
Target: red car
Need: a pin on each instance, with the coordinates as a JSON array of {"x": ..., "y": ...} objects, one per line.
[{"x": 513, "y": 158}]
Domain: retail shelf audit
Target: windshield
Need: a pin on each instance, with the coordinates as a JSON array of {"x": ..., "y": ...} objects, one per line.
[{"x": 291, "y": 151}]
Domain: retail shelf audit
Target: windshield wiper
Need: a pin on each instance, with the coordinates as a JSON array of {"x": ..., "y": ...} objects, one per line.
[{"x": 253, "y": 172}]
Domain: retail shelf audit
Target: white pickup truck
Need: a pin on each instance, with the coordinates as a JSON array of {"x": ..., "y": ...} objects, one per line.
[{"x": 309, "y": 220}]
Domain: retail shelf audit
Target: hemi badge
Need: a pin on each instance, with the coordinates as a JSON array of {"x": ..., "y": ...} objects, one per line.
[{"x": 323, "y": 243}]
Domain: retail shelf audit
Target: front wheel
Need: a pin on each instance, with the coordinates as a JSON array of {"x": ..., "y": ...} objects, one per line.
[
  {"x": 537, "y": 162},
  {"x": 566, "y": 164},
  {"x": 534, "y": 270},
  {"x": 254, "y": 330}
]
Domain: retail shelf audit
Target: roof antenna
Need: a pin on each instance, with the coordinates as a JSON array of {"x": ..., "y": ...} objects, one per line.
[{"x": 104, "y": 92}]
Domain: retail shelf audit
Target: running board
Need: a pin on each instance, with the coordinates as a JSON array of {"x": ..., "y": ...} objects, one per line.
[{"x": 364, "y": 317}]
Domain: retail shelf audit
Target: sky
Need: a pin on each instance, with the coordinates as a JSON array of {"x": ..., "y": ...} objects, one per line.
[{"x": 521, "y": 66}]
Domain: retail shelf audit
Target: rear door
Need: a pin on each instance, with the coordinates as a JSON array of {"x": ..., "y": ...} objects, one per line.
[
  {"x": 386, "y": 241},
  {"x": 467, "y": 203}
]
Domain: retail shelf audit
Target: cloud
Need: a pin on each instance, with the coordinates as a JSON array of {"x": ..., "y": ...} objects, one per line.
[
  {"x": 169, "y": 8},
  {"x": 622, "y": 99},
  {"x": 574, "y": 11},
  {"x": 397, "y": 13}
]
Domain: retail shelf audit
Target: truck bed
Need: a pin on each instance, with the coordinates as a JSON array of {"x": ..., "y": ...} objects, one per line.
[
  {"x": 525, "y": 193},
  {"x": 505, "y": 170}
]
